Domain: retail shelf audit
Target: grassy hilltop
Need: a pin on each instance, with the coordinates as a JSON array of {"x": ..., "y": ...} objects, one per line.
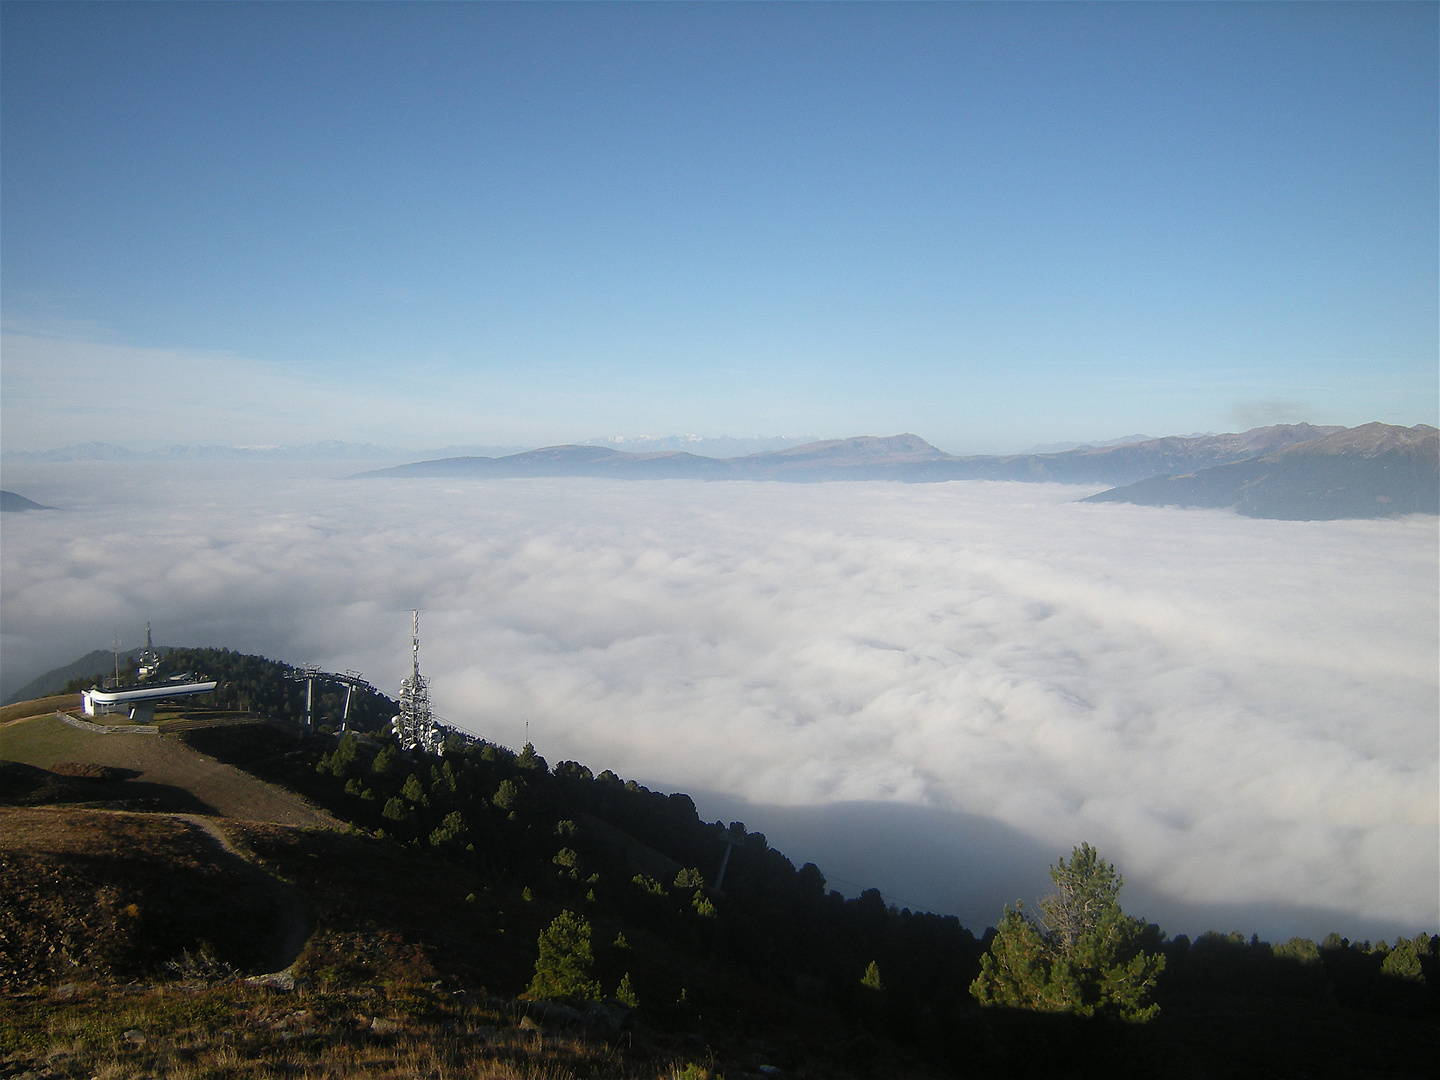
[{"x": 230, "y": 899}]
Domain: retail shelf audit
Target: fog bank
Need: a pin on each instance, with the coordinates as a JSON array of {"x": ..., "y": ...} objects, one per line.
[{"x": 1242, "y": 714}]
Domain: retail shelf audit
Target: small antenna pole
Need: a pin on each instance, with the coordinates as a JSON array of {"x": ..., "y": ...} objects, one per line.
[
  {"x": 725, "y": 862},
  {"x": 116, "y": 643}
]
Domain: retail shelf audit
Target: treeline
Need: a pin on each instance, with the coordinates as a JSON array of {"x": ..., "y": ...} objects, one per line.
[{"x": 1401, "y": 978}]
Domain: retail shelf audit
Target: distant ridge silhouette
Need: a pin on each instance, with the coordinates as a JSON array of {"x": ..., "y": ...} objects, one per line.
[
  {"x": 11, "y": 502},
  {"x": 896, "y": 457}
]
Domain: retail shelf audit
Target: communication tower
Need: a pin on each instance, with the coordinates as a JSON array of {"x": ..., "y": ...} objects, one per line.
[
  {"x": 149, "y": 659},
  {"x": 416, "y": 727}
]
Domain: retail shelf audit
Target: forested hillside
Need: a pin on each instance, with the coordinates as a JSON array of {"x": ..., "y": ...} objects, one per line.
[
  {"x": 905, "y": 976},
  {"x": 502, "y": 877}
]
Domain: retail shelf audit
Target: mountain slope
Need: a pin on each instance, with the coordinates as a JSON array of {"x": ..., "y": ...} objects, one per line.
[
  {"x": 1154, "y": 457},
  {"x": 99, "y": 662},
  {"x": 10, "y": 502},
  {"x": 1376, "y": 470}
]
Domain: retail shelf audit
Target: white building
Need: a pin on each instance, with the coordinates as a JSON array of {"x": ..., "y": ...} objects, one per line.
[{"x": 140, "y": 698}]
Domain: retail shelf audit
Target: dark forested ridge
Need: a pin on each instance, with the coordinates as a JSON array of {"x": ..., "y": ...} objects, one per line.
[{"x": 465, "y": 859}]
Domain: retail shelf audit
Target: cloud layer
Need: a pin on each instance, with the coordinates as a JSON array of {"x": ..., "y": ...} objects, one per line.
[{"x": 1242, "y": 714}]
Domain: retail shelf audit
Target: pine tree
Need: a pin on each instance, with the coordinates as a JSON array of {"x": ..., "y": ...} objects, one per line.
[
  {"x": 625, "y": 993},
  {"x": 387, "y": 762},
  {"x": 506, "y": 794},
  {"x": 871, "y": 979},
  {"x": 1085, "y": 958},
  {"x": 562, "y": 971},
  {"x": 342, "y": 762}
]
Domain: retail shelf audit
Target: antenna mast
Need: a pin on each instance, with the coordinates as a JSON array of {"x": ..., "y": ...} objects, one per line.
[
  {"x": 149, "y": 662},
  {"x": 416, "y": 727}
]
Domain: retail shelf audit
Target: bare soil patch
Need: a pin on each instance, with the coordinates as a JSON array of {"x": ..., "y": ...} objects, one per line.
[{"x": 84, "y": 770}]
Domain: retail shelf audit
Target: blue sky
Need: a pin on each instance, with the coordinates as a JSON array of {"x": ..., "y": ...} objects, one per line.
[{"x": 988, "y": 225}]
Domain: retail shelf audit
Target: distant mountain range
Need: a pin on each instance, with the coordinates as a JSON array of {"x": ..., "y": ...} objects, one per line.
[
  {"x": 898, "y": 457},
  {"x": 1372, "y": 471},
  {"x": 1403, "y": 488}
]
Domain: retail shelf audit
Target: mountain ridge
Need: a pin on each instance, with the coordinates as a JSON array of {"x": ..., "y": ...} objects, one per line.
[
  {"x": 1375, "y": 470},
  {"x": 905, "y": 457}
]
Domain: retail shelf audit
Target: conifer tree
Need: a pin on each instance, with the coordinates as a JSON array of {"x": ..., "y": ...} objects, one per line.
[
  {"x": 342, "y": 762},
  {"x": 1085, "y": 958},
  {"x": 871, "y": 979},
  {"x": 562, "y": 971}
]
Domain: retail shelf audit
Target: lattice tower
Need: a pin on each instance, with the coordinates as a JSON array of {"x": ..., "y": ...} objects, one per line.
[{"x": 416, "y": 727}]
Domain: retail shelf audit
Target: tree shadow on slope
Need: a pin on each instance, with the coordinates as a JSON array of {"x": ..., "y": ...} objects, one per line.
[{"x": 97, "y": 787}]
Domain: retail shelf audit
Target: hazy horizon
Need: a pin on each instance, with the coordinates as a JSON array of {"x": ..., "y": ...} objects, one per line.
[{"x": 719, "y": 446}]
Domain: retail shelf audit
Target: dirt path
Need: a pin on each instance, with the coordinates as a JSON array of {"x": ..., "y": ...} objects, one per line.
[
  {"x": 229, "y": 792},
  {"x": 294, "y": 919}
]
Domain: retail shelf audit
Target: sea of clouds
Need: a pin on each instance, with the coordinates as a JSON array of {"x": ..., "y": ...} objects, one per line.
[{"x": 932, "y": 688}]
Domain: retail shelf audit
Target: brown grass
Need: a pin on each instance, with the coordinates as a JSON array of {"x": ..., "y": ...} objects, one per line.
[
  {"x": 245, "y": 1031},
  {"x": 44, "y": 741},
  {"x": 39, "y": 707}
]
